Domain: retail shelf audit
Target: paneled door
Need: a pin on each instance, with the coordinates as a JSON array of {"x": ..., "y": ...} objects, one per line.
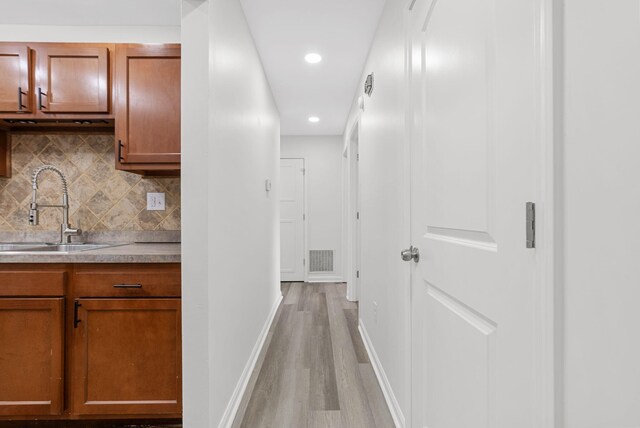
[
  {"x": 31, "y": 356},
  {"x": 473, "y": 70},
  {"x": 15, "y": 84},
  {"x": 292, "y": 266},
  {"x": 148, "y": 104},
  {"x": 72, "y": 79},
  {"x": 127, "y": 357}
]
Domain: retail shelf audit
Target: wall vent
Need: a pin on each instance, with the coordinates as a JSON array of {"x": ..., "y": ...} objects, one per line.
[{"x": 320, "y": 260}]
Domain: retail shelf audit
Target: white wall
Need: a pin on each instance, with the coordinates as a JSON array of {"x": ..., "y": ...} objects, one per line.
[
  {"x": 123, "y": 21},
  {"x": 385, "y": 203},
  {"x": 324, "y": 185},
  {"x": 230, "y": 223},
  {"x": 599, "y": 227},
  {"x": 86, "y": 34}
]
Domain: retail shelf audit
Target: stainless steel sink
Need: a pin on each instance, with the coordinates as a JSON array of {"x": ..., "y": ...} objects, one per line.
[
  {"x": 40, "y": 248},
  {"x": 18, "y": 246}
]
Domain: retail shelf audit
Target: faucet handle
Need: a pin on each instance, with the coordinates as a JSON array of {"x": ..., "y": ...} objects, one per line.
[
  {"x": 67, "y": 232},
  {"x": 73, "y": 231}
]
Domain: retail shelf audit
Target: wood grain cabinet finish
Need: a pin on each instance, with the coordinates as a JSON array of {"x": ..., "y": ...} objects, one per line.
[
  {"x": 5, "y": 154},
  {"x": 16, "y": 78},
  {"x": 72, "y": 78},
  {"x": 127, "y": 355},
  {"x": 31, "y": 356},
  {"x": 147, "y": 80},
  {"x": 90, "y": 341}
]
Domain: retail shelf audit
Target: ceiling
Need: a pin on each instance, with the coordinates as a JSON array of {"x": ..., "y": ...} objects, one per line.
[{"x": 339, "y": 30}]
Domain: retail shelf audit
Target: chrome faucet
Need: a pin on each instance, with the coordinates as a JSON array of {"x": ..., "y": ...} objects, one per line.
[{"x": 66, "y": 231}]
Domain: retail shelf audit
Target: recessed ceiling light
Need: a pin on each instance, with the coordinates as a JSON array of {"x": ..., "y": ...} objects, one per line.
[
  {"x": 312, "y": 58},
  {"x": 314, "y": 119}
]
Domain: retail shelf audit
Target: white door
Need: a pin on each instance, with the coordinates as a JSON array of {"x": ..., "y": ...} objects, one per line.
[
  {"x": 473, "y": 72},
  {"x": 354, "y": 215},
  {"x": 292, "y": 220}
]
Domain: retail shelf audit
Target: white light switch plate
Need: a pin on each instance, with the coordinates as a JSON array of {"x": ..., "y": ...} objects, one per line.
[{"x": 155, "y": 202}]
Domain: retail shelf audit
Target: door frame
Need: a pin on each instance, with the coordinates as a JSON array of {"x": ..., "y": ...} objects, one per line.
[
  {"x": 305, "y": 251},
  {"x": 354, "y": 237},
  {"x": 548, "y": 334},
  {"x": 548, "y": 338}
]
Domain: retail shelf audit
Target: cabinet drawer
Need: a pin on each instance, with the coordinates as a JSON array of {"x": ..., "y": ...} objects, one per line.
[
  {"x": 155, "y": 280},
  {"x": 32, "y": 283}
]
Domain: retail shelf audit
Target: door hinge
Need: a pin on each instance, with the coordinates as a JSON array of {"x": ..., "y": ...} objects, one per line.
[
  {"x": 358, "y": 156},
  {"x": 76, "y": 320},
  {"x": 357, "y": 274},
  {"x": 304, "y": 171},
  {"x": 358, "y": 215},
  {"x": 531, "y": 224},
  {"x": 304, "y": 262},
  {"x": 304, "y": 217}
]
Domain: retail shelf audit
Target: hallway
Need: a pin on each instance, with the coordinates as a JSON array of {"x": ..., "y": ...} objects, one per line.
[{"x": 314, "y": 370}]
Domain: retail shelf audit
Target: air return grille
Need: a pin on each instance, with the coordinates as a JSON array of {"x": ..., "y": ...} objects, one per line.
[{"x": 320, "y": 260}]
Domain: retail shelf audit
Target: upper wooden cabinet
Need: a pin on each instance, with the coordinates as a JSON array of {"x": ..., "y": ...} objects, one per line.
[
  {"x": 72, "y": 78},
  {"x": 88, "y": 85},
  {"x": 5, "y": 154},
  {"x": 147, "y": 80},
  {"x": 16, "y": 80}
]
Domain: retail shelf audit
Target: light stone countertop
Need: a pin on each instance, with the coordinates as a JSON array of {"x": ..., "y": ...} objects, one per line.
[{"x": 161, "y": 252}]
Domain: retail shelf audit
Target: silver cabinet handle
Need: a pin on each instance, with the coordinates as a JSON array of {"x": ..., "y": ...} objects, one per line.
[
  {"x": 127, "y": 285},
  {"x": 412, "y": 253}
]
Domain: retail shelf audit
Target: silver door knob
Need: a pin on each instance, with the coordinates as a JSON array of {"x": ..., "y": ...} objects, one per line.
[{"x": 411, "y": 254}]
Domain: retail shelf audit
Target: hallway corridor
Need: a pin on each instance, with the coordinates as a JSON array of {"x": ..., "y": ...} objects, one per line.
[{"x": 314, "y": 370}]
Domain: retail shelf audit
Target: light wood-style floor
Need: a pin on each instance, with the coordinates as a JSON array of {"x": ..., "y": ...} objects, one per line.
[{"x": 314, "y": 371}]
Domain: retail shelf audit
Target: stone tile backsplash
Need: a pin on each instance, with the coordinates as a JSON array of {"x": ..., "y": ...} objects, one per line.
[{"x": 101, "y": 197}]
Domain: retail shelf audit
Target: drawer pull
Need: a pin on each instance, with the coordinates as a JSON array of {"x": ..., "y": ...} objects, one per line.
[{"x": 127, "y": 285}]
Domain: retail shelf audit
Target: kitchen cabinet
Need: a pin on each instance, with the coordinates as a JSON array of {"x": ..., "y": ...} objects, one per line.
[
  {"x": 31, "y": 367},
  {"x": 72, "y": 78},
  {"x": 5, "y": 154},
  {"x": 127, "y": 356},
  {"x": 133, "y": 89},
  {"x": 32, "y": 341},
  {"x": 16, "y": 82},
  {"x": 126, "y": 340},
  {"x": 90, "y": 341},
  {"x": 147, "y": 80},
  {"x": 56, "y": 84}
]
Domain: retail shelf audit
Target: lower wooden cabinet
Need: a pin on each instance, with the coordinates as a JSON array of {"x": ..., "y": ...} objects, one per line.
[
  {"x": 31, "y": 356},
  {"x": 127, "y": 356},
  {"x": 90, "y": 341}
]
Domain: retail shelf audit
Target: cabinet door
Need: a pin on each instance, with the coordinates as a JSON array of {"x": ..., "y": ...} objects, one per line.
[
  {"x": 127, "y": 357},
  {"x": 15, "y": 84},
  {"x": 31, "y": 356},
  {"x": 72, "y": 79},
  {"x": 148, "y": 104}
]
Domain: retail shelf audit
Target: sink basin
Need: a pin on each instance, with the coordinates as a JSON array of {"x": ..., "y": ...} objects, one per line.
[
  {"x": 18, "y": 246},
  {"x": 40, "y": 248}
]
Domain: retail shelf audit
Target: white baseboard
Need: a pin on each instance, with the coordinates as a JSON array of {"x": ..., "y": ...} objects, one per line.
[
  {"x": 389, "y": 396},
  {"x": 236, "y": 398},
  {"x": 324, "y": 278}
]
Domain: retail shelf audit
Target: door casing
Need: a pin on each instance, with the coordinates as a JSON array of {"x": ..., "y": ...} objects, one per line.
[{"x": 303, "y": 255}]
